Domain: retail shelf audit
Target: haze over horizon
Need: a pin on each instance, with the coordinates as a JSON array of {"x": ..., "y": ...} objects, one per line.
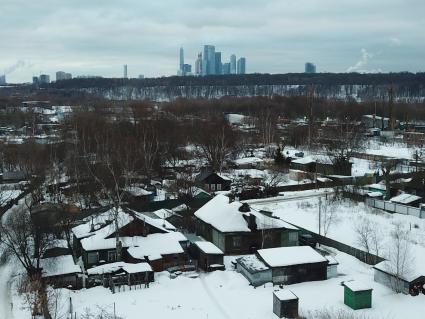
[{"x": 97, "y": 38}]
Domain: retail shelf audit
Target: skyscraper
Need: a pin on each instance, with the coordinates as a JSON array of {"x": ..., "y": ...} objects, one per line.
[
  {"x": 198, "y": 64},
  {"x": 233, "y": 64},
  {"x": 125, "y": 72},
  {"x": 181, "y": 67},
  {"x": 226, "y": 68},
  {"x": 2, "y": 79},
  {"x": 208, "y": 62},
  {"x": 218, "y": 64},
  {"x": 310, "y": 67},
  {"x": 241, "y": 66}
]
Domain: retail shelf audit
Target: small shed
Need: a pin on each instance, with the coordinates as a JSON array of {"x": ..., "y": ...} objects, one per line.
[
  {"x": 254, "y": 270},
  {"x": 285, "y": 304},
  {"x": 357, "y": 295},
  {"x": 209, "y": 256},
  {"x": 332, "y": 269}
]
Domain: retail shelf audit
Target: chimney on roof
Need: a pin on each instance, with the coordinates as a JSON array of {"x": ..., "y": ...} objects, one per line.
[{"x": 244, "y": 208}]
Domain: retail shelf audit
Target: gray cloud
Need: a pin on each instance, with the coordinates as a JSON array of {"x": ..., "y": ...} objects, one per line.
[{"x": 98, "y": 37}]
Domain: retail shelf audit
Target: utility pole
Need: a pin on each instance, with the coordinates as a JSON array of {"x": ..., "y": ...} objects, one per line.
[
  {"x": 320, "y": 217},
  {"x": 310, "y": 115}
]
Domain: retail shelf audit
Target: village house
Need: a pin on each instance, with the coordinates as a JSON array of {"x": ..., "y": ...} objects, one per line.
[
  {"x": 212, "y": 182},
  {"x": 236, "y": 228},
  {"x": 95, "y": 241}
]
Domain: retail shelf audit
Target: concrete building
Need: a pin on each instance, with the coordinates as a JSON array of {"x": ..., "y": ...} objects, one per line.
[
  {"x": 226, "y": 68},
  {"x": 181, "y": 60},
  {"x": 44, "y": 79},
  {"x": 310, "y": 67},
  {"x": 233, "y": 64},
  {"x": 208, "y": 61},
  {"x": 125, "y": 71},
  {"x": 61, "y": 75},
  {"x": 198, "y": 64},
  {"x": 241, "y": 67},
  {"x": 218, "y": 64},
  {"x": 2, "y": 79}
]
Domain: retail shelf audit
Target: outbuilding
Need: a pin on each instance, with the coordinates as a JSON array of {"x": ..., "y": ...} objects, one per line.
[
  {"x": 285, "y": 304},
  {"x": 209, "y": 256},
  {"x": 292, "y": 265},
  {"x": 254, "y": 270},
  {"x": 357, "y": 295}
]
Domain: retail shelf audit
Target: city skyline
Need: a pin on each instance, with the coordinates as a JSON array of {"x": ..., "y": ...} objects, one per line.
[{"x": 97, "y": 38}]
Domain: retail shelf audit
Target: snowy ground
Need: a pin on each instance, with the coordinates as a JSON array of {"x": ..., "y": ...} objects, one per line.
[
  {"x": 305, "y": 212},
  {"x": 227, "y": 294}
]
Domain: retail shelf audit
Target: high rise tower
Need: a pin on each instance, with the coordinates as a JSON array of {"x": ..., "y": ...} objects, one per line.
[
  {"x": 241, "y": 66},
  {"x": 208, "y": 62},
  {"x": 233, "y": 64},
  {"x": 181, "y": 67},
  {"x": 125, "y": 72}
]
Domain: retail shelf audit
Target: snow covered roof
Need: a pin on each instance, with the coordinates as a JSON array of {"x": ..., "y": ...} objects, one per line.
[
  {"x": 113, "y": 267},
  {"x": 355, "y": 285},
  {"x": 208, "y": 247},
  {"x": 137, "y": 191},
  {"x": 57, "y": 266},
  {"x": 287, "y": 256},
  {"x": 154, "y": 246},
  {"x": 248, "y": 160},
  {"x": 416, "y": 268},
  {"x": 226, "y": 217},
  {"x": 97, "y": 240},
  {"x": 374, "y": 194},
  {"x": 252, "y": 263},
  {"x": 285, "y": 295},
  {"x": 378, "y": 186},
  {"x": 405, "y": 198}
]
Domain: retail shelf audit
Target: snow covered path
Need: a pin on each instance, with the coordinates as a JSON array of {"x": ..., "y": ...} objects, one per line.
[{"x": 5, "y": 291}]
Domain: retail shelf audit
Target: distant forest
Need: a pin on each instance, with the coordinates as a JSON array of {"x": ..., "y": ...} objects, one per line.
[{"x": 413, "y": 80}]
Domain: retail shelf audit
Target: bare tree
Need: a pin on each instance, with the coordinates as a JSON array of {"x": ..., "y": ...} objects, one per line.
[
  {"x": 387, "y": 166},
  {"x": 368, "y": 236},
  {"x": 327, "y": 215},
  {"x": 399, "y": 257},
  {"x": 215, "y": 141}
]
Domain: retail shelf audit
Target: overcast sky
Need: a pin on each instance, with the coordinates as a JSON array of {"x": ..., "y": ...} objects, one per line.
[{"x": 276, "y": 36}]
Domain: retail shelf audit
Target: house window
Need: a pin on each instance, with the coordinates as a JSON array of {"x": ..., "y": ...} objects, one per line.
[
  {"x": 212, "y": 187},
  {"x": 92, "y": 258},
  {"x": 112, "y": 256},
  {"x": 219, "y": 187},
  {"x": 237, "y": 241}
]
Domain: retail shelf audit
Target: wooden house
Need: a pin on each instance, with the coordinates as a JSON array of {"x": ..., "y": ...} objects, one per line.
[
  {"x": 211, "y": 181},
  {"x": 95, "y": 240},
  {"x": 235, "y": 228},
  {"x": 61, "y": 272}
]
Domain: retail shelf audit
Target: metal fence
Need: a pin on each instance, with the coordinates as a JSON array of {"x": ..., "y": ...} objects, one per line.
[{"x": 395, "y": 208}]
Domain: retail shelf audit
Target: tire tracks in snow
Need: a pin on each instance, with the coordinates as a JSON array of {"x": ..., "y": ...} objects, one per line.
[{"x": 215, "y": 301}]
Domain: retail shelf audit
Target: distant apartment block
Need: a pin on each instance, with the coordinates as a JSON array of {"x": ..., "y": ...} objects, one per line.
[{"x": 310, "y": 67}]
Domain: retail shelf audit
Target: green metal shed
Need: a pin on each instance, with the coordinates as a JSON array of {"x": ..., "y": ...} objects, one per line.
[{"x": 357, "y": 295}]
